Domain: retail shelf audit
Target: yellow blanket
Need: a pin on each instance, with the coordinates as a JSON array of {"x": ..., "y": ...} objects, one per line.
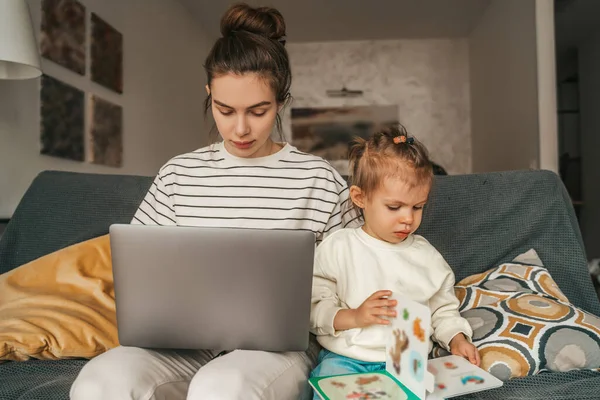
[{"x": 60, "y": 305}]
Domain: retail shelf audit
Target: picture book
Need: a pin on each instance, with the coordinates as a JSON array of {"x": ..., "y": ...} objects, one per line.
[
  {"x": 409, "y": 375},
  {"x": 408, "y": 346}
]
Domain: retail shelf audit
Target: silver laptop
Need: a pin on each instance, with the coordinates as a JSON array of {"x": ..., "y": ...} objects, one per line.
[{"x": 212, "y": 288}]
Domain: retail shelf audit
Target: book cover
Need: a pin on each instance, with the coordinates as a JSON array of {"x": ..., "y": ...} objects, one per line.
[{"x": 361, "y": 386}]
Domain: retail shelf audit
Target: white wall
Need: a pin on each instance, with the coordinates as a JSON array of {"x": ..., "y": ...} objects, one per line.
[
  {"x": 589, "y": 92},
  {"x": 164, "y": 49},
  {"x": 513, "y": 87},
  {"x": 427, "y": 79},
  {"x": 546, "y": 84}
]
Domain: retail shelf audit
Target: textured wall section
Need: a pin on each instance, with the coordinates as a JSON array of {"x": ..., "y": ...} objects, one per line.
[{"x": 427, "y": 79}]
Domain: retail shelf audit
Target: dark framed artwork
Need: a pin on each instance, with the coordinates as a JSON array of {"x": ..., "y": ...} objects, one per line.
[
  {"x": 62, "y": 35},
  {"x": 106, "y": 55},
  {"x": 106, "y": 133},
  {"x": 327, "y": 132},
  {"x": 62, "y": 120}
]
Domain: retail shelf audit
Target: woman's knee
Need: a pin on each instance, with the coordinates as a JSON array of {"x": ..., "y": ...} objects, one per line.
[
  {"x": 226, "y": 383},
  {"x": 253, "y": 376},
  {"x": 96, "y": 382},
  {"x": 133, "y": 374},
  {"x": 86, "y": 388},
  {"x": 103, "y": 387}
]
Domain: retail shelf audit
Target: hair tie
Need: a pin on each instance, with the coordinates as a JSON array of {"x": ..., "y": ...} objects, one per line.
[{"x": 403, "y": 139}]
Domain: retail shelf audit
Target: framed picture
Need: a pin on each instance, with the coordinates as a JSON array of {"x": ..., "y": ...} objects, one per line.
[
  {"x": 328, "y": 132},
  {"x": 106, "y": 137},
  {"x": 62, "y": 35},
  {"x": 62, "y": 120},
  {"x": 107, "y": 55}
]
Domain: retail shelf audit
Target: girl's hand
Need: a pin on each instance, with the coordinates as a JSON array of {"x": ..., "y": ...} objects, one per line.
[
  {"x": 374, "y": 308},
  {"x": 460, "y": 346},
  {"x": 368, "y": 313}
]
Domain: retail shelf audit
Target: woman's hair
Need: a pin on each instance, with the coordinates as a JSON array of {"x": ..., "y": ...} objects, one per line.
[
  {"x": 252, "y": 41},
  {"x": 389, "y": 153}
]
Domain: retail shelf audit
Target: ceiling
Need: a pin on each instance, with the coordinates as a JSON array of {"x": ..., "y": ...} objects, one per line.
[{"x": 332, "y": 20}]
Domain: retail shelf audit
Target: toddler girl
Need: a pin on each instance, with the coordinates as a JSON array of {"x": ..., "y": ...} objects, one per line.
[{"x": 356, "y": 270}]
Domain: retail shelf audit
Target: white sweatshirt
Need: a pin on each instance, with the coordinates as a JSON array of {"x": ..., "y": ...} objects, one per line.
[{"x": 351, "y": 265}]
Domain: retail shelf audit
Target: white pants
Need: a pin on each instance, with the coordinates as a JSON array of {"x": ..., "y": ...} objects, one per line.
[{"x": 131, "y": 373}]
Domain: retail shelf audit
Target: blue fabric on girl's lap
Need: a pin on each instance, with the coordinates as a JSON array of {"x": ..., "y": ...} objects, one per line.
[{"x": 330, "y": 363}]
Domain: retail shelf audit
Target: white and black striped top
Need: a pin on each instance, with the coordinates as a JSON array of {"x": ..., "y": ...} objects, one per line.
[{"x": 212, "y": 188}]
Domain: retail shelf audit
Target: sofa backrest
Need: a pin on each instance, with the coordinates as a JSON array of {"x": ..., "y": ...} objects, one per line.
[
  {"x": 475, "y": 221},
  {"x": 63, "y": 208}
]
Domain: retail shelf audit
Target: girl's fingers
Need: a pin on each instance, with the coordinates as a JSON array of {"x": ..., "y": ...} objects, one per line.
[
  {"x": 382, "y": 303},
  {"x": 379, "y": 294},
  {"x": 383, "y": 311}
]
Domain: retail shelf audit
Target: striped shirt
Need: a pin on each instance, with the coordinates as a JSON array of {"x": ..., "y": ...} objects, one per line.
[{"x": 210, "y": 187}]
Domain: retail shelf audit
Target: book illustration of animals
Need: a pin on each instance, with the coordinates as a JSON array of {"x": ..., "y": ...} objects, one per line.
[
  {"x": 365, "y": 380},
  {"x": 450, "y": 365},
  {"x": 471, "y": 379},
  {"x": 368, "y": 395},
  {"x": 367, "y": 386},
  {"x": 417, "y": 364},
  {"x": 400, "y": 345},
  {"x": 408, "y": 345},
  {"x": 456, "y": 376},
  {"x": 418, "y": 330}
]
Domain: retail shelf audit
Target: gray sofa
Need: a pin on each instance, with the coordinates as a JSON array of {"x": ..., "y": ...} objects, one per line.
[
  {"x": 2, "y": 227},
  {"x": 476, "y": 221}
]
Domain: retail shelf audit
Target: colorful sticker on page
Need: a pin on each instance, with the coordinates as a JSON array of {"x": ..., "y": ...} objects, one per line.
[
  {"x": 408, "y": 345},
  {"x": 455, "y": 376}
]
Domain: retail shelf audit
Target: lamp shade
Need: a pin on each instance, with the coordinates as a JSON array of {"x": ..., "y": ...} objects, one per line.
[{"x": 19, "y": 55}]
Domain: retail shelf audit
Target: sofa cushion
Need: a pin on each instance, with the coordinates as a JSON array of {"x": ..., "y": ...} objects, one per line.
[
  {"x": 60, "y": 305},
  {"x": 523, "y": 324}
]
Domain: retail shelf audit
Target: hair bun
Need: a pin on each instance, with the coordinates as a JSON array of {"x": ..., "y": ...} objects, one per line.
[{"x": 264, "y": 21}]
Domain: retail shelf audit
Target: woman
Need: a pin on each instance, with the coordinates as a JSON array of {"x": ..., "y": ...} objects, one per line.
[{"x": 247, "y": 180}]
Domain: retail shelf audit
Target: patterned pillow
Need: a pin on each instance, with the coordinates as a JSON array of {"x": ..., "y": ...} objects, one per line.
[{"x": 523, "y": 324}]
